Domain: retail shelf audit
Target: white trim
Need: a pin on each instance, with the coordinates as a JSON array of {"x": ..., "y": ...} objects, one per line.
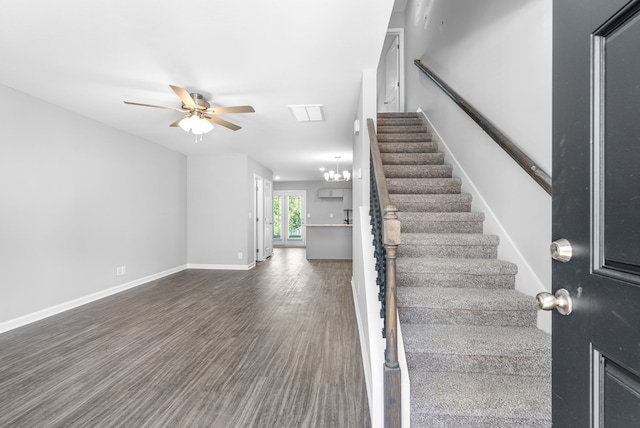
[
  {"x": 222, "y": 267},
  {"x": 44, "y": 313}
]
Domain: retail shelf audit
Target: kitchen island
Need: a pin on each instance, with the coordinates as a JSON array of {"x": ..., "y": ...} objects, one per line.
[{"x": 329, "y": 241}]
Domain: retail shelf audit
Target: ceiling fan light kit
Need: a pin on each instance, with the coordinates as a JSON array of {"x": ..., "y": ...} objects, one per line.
[{"x": 199, "y": 113}]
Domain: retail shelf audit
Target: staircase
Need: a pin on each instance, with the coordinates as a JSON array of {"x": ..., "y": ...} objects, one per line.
[{"x": 474, "y": 354}]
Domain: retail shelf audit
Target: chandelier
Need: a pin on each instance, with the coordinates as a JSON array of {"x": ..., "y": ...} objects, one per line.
[{"x": 335, "y": 175}]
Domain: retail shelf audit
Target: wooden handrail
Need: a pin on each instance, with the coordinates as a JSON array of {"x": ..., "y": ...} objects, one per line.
[
  {"x": 391, "y": 240},
  {"x": 521, "y": 158}
]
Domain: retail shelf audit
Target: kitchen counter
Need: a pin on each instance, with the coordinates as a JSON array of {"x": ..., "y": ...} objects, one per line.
[{"x": 329, "y": 241}]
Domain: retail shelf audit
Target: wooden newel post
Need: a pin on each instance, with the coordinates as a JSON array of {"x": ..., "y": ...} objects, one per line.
[{"x": 391, "y": 240}]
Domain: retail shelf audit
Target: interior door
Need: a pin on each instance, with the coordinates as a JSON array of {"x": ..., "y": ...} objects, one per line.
[
  {"x": 260, "y": 219},
  {"x": 392, "y": 76},
  {"x": 596, "y": 207},
  {"x": 268, "y": 218}
]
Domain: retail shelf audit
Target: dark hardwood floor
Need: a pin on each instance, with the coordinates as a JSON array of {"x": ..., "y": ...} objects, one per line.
[{"x": 275, "y": 346}]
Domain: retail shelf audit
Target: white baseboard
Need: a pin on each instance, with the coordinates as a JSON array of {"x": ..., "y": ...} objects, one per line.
[
  {"x": 44, "y": 313},
  {"x": 222, "y": 267}
]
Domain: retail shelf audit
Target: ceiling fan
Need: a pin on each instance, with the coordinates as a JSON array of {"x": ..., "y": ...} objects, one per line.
[{"x": 199, "y": 112}]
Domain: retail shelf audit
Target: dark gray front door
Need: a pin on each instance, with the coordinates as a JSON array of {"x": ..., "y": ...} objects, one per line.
[{"x": 596, "y": 206}]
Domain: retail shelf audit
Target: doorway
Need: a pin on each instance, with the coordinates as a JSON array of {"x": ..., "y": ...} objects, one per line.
[
  {"x": 391, "y": 73},
  {"x": 264, "y": 219},
  {"x": 289, "y": 213}
]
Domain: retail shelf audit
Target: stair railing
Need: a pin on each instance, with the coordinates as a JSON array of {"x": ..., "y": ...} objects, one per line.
[
  {"x": 386, "y": 231},
  {"x": 521, "y": 158}
]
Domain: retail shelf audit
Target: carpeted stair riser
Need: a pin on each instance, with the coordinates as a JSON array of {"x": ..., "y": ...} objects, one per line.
[
  {"x": 474, "y": 273},
  {"x": 478, "y": 349},
  {"x": 409, "y": 147},
  {"x": 412, "y": 158},
  {"x": 449, "y": 245},
  {"x": 413, "y": 137},
  {"x": 475, "y": 356},
  {"x": 431, "y": 203},
  {"x": 478, "y": 400},
  {"x": 438, "y": 222},
  {"x": 424, "y": 185},
  {"x": 405, "y": 129},
  {"x": 465, "y": 306},
  {"x": 417, "y": 171},
  {"x": 400, "y": 121}
]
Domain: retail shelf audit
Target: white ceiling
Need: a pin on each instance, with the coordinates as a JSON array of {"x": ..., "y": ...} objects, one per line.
[{"x": 90, "y": 56}]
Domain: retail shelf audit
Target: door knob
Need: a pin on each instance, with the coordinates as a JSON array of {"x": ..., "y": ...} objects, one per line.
[
  {"x": 561, "y": 301},
  {"x": 561, "y": 250}
]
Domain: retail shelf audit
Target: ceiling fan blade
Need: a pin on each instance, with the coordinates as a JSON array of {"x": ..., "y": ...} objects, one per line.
[
  {"x": 222, "y": 122},
  {"x": 184, "y": 96},
  {"x": 150, "y": 105},
  {"x": 236, "y": 109}
]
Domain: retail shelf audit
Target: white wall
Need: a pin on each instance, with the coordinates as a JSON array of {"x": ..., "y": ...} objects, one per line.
[
  {"x": 497, "y": 55},
  {"x": 365, "y": 289},
  {"x": 221, "y": 195},
  {"x": 79, "y": 199}
]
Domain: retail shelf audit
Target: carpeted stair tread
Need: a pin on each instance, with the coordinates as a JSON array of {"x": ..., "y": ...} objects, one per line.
[
  {"x": 478, "y": 349},
  {"x": 441, "y": 222},
  {"x": 471, "y": 306},
  {"x": 393, "y": 115},
  {"x": 432, "y": 203},
  {"x": 478, "y": 400},
  {"x": 424, "y": 185},
  {"x": 409, "y": 147},
  {"x": 466, "y": 266},
  {"x": 412, "y": 158},
  {"x": 449, "y": 245},
  {"x": 452, "y": 272},
  {"x": 418, "y": 171}
]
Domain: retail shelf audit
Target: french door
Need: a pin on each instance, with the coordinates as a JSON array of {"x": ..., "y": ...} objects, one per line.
[{"x": 289, "y": 213}]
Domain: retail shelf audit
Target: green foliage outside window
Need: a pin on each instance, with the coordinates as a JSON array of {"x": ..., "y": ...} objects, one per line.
[
  {"x": 277, "y": 217},
  {"x": 295, "y": 220}
]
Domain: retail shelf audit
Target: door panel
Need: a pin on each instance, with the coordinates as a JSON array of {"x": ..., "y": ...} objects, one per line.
[
  {"x": 268, "y": 219},
  {"x": 596, "y": 197},
  {"x": 392, "y": 77}
]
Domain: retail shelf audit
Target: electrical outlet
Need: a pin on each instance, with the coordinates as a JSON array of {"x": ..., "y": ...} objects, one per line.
[
  {"x": 331, "y": 215},
  {"x": 121, "y": 270},
  {"x": 240, "y": 256}
]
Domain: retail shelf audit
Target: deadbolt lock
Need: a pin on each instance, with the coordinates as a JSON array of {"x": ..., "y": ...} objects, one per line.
[{"x": 561, "y": 250}]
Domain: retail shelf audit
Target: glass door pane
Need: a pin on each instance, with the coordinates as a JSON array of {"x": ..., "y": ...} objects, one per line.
[
  {"x": 277, "y": 217},
  {"x": 294, "y": 203}
]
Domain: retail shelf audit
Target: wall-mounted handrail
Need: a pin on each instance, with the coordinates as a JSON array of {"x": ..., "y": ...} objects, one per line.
[
  {"x": 387, "y": 232},
  {"x": 521, "y": 158}
]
